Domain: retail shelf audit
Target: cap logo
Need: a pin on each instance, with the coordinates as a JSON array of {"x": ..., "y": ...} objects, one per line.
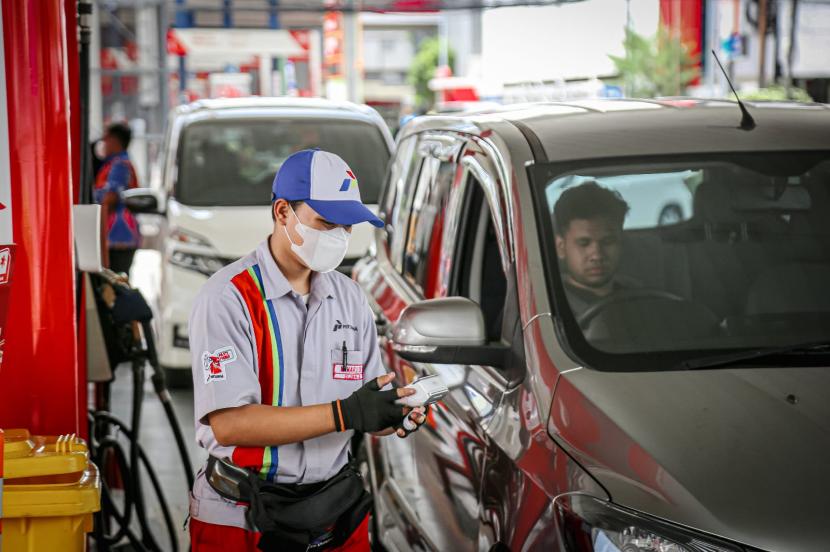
[{"x": 348, "y": 182}]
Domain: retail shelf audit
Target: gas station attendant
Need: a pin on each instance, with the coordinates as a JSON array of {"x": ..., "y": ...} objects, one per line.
[{"x": 286, "y": 367}]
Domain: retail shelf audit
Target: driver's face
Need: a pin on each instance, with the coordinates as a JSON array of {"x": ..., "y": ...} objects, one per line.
[{"x": 590, "y": 250}]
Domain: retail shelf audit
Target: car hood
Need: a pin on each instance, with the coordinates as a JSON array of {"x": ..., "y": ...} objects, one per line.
[
  {"x": 740, "y": 453},
  {"x": 235, "y": 231},
  {"x": 232, "y": 231}
]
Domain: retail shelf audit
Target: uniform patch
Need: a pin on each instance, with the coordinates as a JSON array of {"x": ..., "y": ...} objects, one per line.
[
  {"x": 351, "y": 372},
  {"x": 215, "y": 363}
]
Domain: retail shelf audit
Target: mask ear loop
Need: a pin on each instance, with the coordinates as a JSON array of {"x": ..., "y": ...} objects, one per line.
[{"x": 285, "y": 227}]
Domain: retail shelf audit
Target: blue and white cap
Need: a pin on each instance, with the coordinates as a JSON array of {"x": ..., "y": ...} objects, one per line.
[{"x": 326, "y": 183}]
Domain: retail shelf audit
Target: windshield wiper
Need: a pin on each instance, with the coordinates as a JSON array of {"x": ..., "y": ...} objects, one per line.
[{"x": 728, "y": 359}]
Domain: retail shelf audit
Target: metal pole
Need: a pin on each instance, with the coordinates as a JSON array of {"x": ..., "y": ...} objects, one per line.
[
  {"x": 762, "y": 34},
  {"x": 164, "y": 98},
  {"x": 443, "y": 41},
  {"x": 350, "y": 47},
  {"x": 184, "y": 19},
  {"x": 84, "y": 40},
  {"x": 227, "y": 14},
  {"x": 273, "y": 14},
  {"x": 791, "y": 47}
]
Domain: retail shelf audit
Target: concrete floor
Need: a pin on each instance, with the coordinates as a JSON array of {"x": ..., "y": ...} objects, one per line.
[
  {"x": 158, "y": 442},
  {"x": 156, "y": 436}
]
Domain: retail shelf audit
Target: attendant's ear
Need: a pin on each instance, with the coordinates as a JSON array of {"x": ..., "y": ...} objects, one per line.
[{"x": 281, "y": 211}]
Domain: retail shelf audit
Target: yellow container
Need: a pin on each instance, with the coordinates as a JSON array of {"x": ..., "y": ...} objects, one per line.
[{"x": 50, "y": 492}]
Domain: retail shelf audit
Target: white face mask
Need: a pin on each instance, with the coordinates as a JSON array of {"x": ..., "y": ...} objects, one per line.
[{"x": 322, "y": 250}]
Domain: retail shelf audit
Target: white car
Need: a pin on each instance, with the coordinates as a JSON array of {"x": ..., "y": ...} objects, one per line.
[{"x": 218, "y": 163}]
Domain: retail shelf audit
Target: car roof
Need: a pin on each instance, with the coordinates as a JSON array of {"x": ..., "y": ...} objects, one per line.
[
  {"x": 269, "y": 106},
  {"x": 618, "y": 128}
]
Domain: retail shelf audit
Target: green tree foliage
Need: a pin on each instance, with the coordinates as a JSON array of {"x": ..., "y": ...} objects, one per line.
[
  {"x": 777, "y": 93},
  {"x": 423, "y": 69},
  {"x": 657, "y": 66}
]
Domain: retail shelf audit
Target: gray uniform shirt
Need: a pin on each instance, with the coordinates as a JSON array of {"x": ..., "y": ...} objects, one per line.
[{"x": 245, "y": 311}]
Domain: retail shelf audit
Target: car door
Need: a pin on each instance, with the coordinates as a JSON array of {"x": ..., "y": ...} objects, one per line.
[{"x": 430, "y": 496}]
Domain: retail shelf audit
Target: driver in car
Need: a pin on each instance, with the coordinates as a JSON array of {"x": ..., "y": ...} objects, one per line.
[{"x": 588, "y": 222}]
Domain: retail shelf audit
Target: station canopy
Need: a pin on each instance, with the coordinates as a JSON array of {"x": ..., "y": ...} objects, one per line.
[{"x": 412, "y": 6}]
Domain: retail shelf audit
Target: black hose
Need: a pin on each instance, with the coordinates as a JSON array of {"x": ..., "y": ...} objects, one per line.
[
  {"x": 133, "y": 499},
  {"x": 138, "y": 400},
  {"x": 130, "y": 306},
  {"x": 160, "y": 386}
]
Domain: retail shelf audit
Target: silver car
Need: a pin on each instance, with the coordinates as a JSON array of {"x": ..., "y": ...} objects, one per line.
[{"x": 651, "y": 386}]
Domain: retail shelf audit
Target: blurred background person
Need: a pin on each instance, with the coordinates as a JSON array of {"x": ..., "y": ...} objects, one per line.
[{"x": 116, "y": 175}]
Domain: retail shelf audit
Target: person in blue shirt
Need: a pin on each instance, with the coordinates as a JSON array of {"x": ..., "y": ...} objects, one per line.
[{"x": 116, "y": 175}]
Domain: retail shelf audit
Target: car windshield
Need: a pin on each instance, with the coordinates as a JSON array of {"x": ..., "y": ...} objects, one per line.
[
  {"x": 230, "y": 163},
  {"x": 689, "y": 254}
]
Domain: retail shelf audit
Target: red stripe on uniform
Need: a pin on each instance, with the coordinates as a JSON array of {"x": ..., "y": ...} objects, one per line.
[
  {"x": 251, "y": 457},
  {"x": 248, "y": 457},
  {"x": 259, "y": 319}
]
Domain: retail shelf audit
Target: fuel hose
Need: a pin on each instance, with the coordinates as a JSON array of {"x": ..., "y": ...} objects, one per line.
[{"x": 116, "y": 523}]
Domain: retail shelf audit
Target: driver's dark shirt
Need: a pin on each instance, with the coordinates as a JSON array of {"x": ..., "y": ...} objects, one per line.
[{"x": 580, "y": 299}]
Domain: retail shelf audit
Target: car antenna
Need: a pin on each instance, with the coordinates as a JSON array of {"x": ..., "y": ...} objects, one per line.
[{"x": 747, "y": 122}]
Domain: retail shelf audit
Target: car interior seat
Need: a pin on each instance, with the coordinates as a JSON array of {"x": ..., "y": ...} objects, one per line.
[
  {"x": 220, "y": 170},
  {"x": 487, "y": 284},
  {"x": 791, "y": 288}
]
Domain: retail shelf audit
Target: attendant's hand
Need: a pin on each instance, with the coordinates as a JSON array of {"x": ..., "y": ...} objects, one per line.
[{"x": 369, "y": 409}]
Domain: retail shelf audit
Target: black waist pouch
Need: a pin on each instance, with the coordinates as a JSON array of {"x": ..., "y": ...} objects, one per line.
[{"x": 307, "y": 517}]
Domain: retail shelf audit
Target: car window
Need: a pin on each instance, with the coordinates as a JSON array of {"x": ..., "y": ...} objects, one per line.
[
  {"x": 477, "y": 265},
  {"x": 654, "y": 199},
  {"x": 743, "y": 261},
  {"x": 403, "y": 203},
  {"x": 399, "y": 167},
  {"x": 422, "y": 253},
  {"x": 233, "y": 162}
]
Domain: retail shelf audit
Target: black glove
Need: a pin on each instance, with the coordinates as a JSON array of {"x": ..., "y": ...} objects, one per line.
[{"x": 367, "y": 409}]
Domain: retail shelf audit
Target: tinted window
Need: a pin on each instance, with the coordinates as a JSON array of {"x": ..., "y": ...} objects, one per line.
[
  {"x": 403, "y": 202},
  {"x": 743, "y": 261},
  {"x": 423, "y": 246},
  {"x": 234, "y": 162},
  {"x": 402, "y": 162},
  {"x": 477, "y": 262}
]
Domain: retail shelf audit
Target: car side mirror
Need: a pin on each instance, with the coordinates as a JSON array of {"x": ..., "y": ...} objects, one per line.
[
  {"x": 449, "y": 330},
  {"x": 143, "y": 200}
]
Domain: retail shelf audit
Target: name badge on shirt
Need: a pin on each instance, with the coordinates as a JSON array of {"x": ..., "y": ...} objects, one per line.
[{"x": 350, "y": 372}]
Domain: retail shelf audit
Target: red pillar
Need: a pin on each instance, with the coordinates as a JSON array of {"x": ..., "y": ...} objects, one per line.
[
  {"x": 684, "y": 18},
  {"x": 40, "y": 387}
]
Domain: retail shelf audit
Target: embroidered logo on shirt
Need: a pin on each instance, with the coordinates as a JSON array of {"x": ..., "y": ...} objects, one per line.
[
  {"x": 341, "y": 326},
  {"x": 350, "y": 372},
  {"x": 214, "y": 363}
]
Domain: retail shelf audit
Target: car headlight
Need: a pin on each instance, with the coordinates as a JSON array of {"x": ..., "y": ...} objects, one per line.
[
  {"x": 588, "y": 524},
  {"x": 186, "y": 237},
  {"x": 198, "y": 262}
]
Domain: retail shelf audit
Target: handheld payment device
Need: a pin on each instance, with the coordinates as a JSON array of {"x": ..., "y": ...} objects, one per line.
[{"x": 428, "y": 390}]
